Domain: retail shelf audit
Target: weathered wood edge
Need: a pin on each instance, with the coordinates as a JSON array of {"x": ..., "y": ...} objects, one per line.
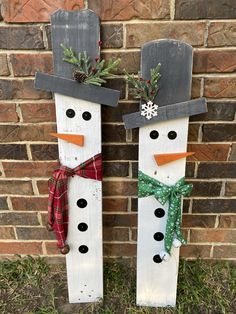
[
  {"x": 178, "y": 110},
  {"x": 68, "y": 87}
]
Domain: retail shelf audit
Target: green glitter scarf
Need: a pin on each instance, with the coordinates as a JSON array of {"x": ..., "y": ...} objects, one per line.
[{"x": 149, "y": 186}]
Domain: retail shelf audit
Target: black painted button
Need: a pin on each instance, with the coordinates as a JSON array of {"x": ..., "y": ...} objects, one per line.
[
  {"x": 172, "y": 135},
  {"x": 159, "y": 212},
  {"x": 83, "y": 249},
  {"x": 70, "y": 113},
  {"x": 157, "y": 258},
  {"x": 86, "y": 115},
  {"x": 154, "y": 134},
  {"x": 158, "y": 236},
  {"x": 82, "y": 203},
  {"x": 82, "y": 226}
]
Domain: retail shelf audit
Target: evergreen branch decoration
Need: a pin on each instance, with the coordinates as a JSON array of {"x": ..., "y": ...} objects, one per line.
[
  {"x": 85, "y": 70},
  {"x": 144, "y": 89}
]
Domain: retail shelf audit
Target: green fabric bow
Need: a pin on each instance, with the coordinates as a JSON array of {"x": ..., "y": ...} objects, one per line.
[{"x": 149, "y": 186}]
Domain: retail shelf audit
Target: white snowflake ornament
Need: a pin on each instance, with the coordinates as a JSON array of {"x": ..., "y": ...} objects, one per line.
[{"x": 149, "y": 110}]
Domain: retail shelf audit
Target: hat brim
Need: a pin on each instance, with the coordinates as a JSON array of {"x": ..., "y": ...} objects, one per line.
[
  {"x": 68, "y": 87},
  {"x": 168, "y": 112}
]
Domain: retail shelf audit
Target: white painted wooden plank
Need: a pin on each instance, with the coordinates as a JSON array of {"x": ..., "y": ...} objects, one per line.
[
  {"x": 157, "y": 282},
  {"x": 84, "y": 271}
]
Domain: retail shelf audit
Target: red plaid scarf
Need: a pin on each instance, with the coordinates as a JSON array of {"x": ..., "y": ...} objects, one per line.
[{"x": 58, "y": 201}]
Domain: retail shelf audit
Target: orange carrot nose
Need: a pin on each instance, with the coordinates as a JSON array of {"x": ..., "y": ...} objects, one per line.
[
  {"x": 71, "y": 138},
  {"x": 162, "y": 159}
]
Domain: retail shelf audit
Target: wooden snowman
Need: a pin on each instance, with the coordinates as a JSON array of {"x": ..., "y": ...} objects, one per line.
[
  {"x": 78, "y": 114},
  {"x": 163, "y": 132}
]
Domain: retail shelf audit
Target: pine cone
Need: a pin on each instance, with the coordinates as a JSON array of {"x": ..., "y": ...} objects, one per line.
[{"x": 79, "y": 76}]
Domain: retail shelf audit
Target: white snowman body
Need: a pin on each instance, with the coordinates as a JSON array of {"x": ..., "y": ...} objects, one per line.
[
  {"x": 84, "y": 260},
  {"x": 157, "y": 282}
]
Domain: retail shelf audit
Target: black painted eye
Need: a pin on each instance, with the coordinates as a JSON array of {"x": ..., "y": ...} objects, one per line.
[
  {"x": 82, "y": 227},
  {"x": 82, "y": 203},
  {"x": 154, "y": 134},
  {"x": 70, "y": 113},
  {"x": 159, "y": 212},
  {"x": 86, "y": 115},
  {"x": 158, "y": 236},
  {"x": 83, "y": 249},
  {"x": 172, "y": 135},
  {"x": 157, "y": 259}
]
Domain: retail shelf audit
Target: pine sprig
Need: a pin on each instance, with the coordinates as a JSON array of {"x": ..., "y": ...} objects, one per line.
[
  {"x": 91, "y": 73},
  {"x": 144, "y": 89}
]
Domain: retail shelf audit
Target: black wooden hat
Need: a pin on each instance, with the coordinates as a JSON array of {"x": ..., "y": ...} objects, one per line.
[
  {"x": 173, "y": 96},
  {"x": 79, "y": 30}
]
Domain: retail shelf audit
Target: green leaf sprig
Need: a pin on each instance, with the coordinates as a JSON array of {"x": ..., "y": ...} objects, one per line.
[
  {"x": 85, "y": 70},
  {"x": 144, "y": 89}
]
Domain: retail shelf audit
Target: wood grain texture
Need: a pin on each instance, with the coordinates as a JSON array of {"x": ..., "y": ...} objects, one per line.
[
  {"x": 72, "y": 88},
  {"x": 79, "y": 30},
  {"x": 157, "y": 282},
  {"x": 172, "y": 111}
]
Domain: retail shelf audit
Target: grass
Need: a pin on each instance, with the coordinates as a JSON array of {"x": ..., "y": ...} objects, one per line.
[{"x": 29, "y": 285}]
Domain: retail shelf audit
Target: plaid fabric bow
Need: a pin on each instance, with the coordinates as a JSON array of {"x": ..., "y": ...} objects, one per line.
[
  {"x": 58, "y": 200},
  {"x": 149, "y": 186}
]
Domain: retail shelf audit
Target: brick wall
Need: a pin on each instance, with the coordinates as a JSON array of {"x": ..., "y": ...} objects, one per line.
[{"x": 28, "y": 154}]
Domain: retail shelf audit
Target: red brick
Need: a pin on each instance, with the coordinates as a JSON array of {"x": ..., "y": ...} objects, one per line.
[
  {"x": 115, "y": 169},
  {"x": 211, "y": 152},
  {"x": 13, "y": 151},
  {"x": 36, "y": 10},
  {"x": 204, "y": 9},
  {"x": 214, "y": 205},
  {"x": 4, "y": 69},
  {"x": 221, "y": 34},
  {"x": 39, "y": 233},
  {"x": 51, "y": 248},
  {"x": 219, "y": 132},
  {"x": 110, "y": 10},
  {"x": 42, "y": 186},
  {"x": 115, "y": 234},
  {"x": 120, "y": 152},
  {"x": 7, "y": 233},
  {"x": 123, "y": 188},
  {"x": 224, "y": 251},
  {"x": 117, "y": 249},
  {"x": 196, "y": 87},
  {"x": 25, "y": 219},
  {"x": 21, "y": 89},
  {"x": 115, "y": 204},
  {"x": 112, "y": 35},
  {"x": 134, "y": 234},
  {"x": 213, "y": 61},
  {"x": 203, "y": 188},
  {"x": 129, "y": 61},
  {"x": 198, "y": 221},
  {"x": 40, "y": 112},
  {"x": 12, "y": 133},
  {"x": 29, "y": 203},
  {"x": 189, "y": 32},
  {"x": 8, "y": 113},
  {"x": 21, "y": 248},
  {"x": 26, "y": 64},
  {"x": 226, "y": 221},
  {"x": 16, "y": 187},
  {"x": 195, "y": 251},
  {"x": 124, "y": 220},
  {"x": 29, "y": 169},
  {"x": 21, "y": 37},
  {"x": 213, "y": 235},
  {"x": 230, "y": 188},
  {"x": 113, "y": 133},
  {"x": 221, "y": 170},
  {"x": 220, "y": 87},
  {"x": 193, "y": 132},
  {"x": 44, "y": 151}
]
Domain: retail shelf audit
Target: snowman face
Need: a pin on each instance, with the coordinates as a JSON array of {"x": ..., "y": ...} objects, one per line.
[
  {"x": 81, "y": 118},
  {"x": 167, "y": 137}
]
